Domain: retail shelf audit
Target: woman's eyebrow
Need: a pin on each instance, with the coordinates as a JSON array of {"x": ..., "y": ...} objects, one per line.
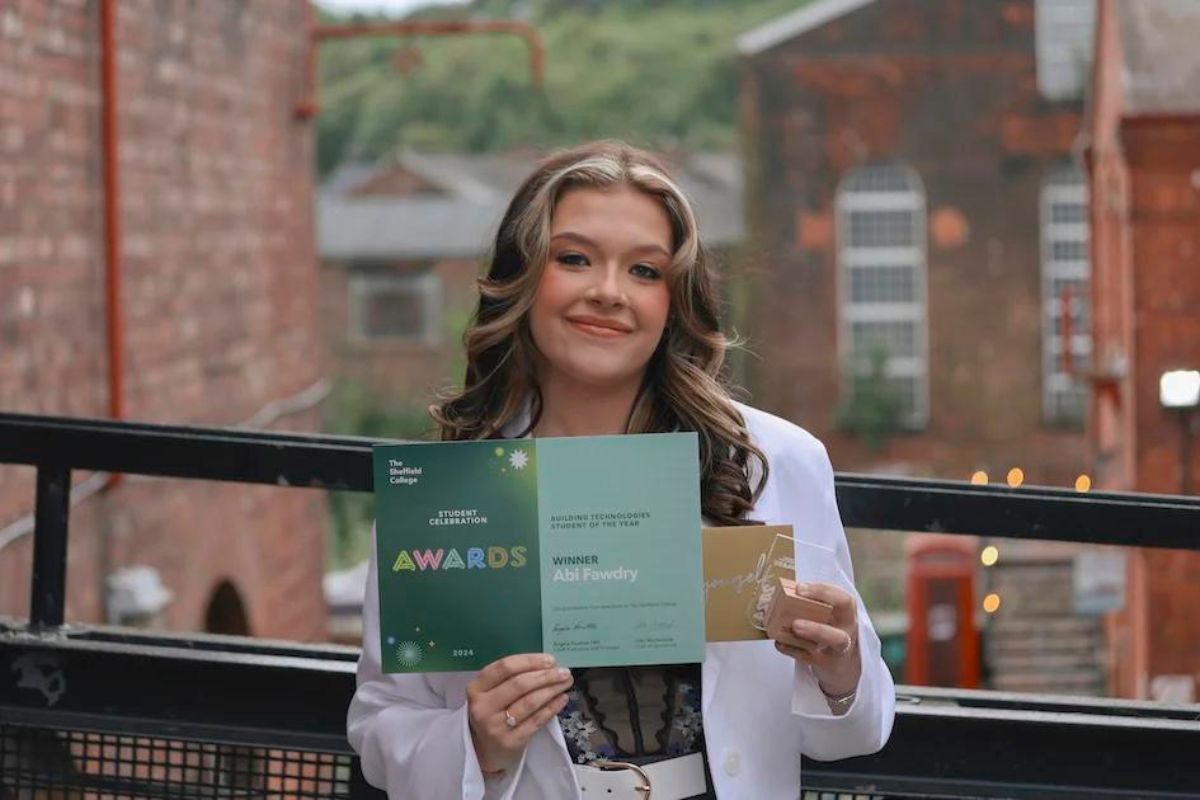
[{"x": 580, "y": 239}]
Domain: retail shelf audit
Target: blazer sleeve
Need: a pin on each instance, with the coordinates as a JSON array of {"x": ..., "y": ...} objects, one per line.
[
  {"x": 866, "y": 726},
  {"x": 410, "y": 742}
]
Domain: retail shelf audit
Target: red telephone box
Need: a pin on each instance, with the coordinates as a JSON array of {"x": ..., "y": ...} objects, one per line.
[{"x": 943, "y": 643}]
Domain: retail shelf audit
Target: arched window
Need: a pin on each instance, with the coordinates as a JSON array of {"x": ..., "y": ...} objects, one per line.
[
  {"x": 1066, "y": 273},
  {"x": 883, "y": 326}
]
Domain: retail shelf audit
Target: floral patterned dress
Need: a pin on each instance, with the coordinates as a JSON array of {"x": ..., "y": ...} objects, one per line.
[{"x": 635, "y": 714}]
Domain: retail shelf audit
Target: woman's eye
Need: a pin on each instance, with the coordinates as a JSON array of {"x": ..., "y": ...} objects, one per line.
[
  {"x": 572, "y": 259},
  {"x": 646, "y": 271}
]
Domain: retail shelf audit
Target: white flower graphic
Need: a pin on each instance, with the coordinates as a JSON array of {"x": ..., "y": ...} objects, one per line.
[
  {"x": 518, "y": 459},
  {"x": 409, "y": 653}
]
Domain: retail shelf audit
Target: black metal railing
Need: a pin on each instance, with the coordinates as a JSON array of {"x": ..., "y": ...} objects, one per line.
[{"x": 120, "y": 714}]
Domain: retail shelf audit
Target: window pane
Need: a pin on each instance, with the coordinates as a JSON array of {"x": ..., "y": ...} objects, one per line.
[
  {"x": 901, "y": 390},
  {"x": 1079, "y": 289},
  {"x": 1079, "y": 321},
  {"x": 897, "y": 339},
  {"x": 881, "y": 240},
  {"x": 1067, "y": 405},
  {"x": 393, "y": 313},
  {"x": 882, "y": 285},
  {"x": 881, "y": 229},
  {"x": 1080, "y": 307},
  {"x": 1068, "y": 250},
  {"x": 1068, "y": 212},
  {"x": 1065, "y": 234}
]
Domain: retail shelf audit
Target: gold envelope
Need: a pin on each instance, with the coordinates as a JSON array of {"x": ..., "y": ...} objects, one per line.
[{"x": 736, "y": 560}]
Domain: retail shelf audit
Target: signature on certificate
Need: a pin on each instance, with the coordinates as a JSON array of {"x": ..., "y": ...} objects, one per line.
[
  {"x": 655, "y": 625},
  {"x": 560, "y": 627}
]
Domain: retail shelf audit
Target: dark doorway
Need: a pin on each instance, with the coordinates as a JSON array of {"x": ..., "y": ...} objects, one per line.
[{"x": 226, "y": 614}]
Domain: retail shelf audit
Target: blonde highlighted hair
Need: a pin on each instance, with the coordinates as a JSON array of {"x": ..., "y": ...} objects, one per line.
[{"x": 686, "y": 387}]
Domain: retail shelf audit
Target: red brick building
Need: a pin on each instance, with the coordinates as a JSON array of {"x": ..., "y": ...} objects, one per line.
[
  {"x": 918, "y": 210},
  {"x": 912, "y": 190},
  {"x": 1144, "y": 157},
  {"x": 219, "y": 285}
]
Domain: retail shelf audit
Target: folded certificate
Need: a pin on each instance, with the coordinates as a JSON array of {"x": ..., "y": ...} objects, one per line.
[{"x": 587, "y": 548}]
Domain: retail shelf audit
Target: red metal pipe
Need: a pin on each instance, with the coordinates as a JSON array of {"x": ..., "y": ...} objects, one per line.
[
  {"x": 309, "y": 107},
  {"x": 112, "y": 217},
  {"x": 1066, "y": 330}
]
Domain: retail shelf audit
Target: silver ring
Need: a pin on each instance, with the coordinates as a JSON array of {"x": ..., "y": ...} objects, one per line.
[{"x": 509, "y": 719}]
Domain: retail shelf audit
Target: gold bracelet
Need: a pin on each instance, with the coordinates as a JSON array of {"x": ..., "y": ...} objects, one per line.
[{"x": 841, "y": 701}]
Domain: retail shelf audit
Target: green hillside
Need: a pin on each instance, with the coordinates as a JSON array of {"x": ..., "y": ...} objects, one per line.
[{"x": 661, "y": 73}]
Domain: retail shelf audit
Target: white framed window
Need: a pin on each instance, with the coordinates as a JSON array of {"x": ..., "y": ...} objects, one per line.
[
  {"x": 881, "y": 222},
  {"x": 387, "y": 306},
  {"x": 1066, "y": 274}
]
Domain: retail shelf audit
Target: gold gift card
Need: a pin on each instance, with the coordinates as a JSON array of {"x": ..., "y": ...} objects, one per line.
[{"x": 740, "y": 567}]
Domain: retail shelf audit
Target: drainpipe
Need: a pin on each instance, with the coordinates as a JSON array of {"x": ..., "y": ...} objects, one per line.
[
  {"x": 113, "y": 310},
  {"x": 112, "y": 218}
]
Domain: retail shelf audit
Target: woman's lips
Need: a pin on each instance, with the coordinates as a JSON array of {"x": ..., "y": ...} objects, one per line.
[{"x": 599, "y": 331}]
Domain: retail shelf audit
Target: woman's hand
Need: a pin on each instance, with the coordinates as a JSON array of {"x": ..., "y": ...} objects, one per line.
[
  {"x": 509, "y": 700},
  {"x": 831, "y": 650}
]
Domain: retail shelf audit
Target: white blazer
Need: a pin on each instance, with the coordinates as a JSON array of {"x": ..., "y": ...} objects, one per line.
[{"x": 761, "y": 709}]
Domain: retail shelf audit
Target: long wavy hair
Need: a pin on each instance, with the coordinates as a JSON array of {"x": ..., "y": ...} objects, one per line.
[{"x": 686, "y": 387}]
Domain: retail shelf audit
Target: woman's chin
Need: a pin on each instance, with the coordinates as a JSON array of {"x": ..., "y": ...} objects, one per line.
[{"x": 596, "y": 377}]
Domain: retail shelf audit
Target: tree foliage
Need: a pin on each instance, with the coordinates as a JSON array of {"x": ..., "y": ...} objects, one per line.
[
  {"x": 661, "y": 73},
  {"x": 874, "y": 410}
]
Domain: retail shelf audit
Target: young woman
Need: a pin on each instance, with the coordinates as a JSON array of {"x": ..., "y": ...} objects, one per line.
[{"x": 598, "y": 316}]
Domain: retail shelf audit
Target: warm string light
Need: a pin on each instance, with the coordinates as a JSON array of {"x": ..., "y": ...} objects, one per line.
[
  {"x": 1016, "y": 477},
  {"x": 990, "y": 555}
]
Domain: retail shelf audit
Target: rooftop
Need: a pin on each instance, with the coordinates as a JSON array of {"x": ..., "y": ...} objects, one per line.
[{"x": 462, "y": 197}]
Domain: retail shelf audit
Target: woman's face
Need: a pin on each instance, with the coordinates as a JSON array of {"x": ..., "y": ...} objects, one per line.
[{"x": 602, "y": 302}]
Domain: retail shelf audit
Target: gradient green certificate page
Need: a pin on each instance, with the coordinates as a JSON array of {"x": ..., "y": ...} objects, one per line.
[{"x": 587, "y": 548}]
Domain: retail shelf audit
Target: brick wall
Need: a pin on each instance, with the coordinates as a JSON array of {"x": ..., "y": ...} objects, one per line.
[
  {"x": 219, "y": 281},
  {"x": 1145, "y": 178},
  {"x": 1164, "y": 160},
  {"x": 948, "y": 88}
]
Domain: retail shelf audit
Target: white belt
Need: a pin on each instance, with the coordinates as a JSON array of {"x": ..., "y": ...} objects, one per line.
[{"x": 671, "y": 779}]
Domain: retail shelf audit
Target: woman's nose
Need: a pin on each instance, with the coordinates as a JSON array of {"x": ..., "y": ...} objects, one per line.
[{"x": 607, "y": 287}]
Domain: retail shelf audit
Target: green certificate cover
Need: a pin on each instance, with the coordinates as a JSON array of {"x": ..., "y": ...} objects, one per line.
[{"x": 587, "y": 548}]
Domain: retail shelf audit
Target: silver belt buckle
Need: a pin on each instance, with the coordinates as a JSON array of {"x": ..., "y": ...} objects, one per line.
[{"x": 613, "y": 766}]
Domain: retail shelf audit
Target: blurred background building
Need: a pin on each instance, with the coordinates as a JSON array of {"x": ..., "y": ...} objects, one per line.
[{"x": 911, "y": 181}]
